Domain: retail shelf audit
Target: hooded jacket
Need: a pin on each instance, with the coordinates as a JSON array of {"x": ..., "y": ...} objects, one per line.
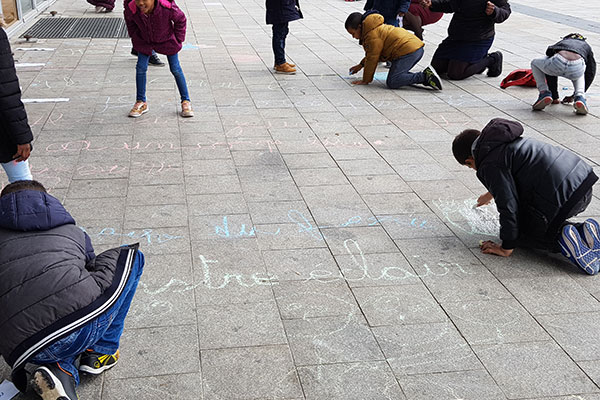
[
  {"x": 50, "y": 282},
  {"x": 282, "y": 11},
  {"x": 533, "y": 183},
  {"x": 384, "y": 43},
  {"x": 14, "y": 128},
  {"x": 581, "y": 47},
  {"x": 163, "y": 30},
  {"x": 470, "y": 22}
]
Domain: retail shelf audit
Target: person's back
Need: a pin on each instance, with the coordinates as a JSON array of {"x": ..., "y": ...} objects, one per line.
[
  {"x": 470, "y": 21},
  {"x": 391, "y": 10}
]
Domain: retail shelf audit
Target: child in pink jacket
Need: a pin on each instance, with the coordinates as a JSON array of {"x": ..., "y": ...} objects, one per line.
[{"x": 157, "y": 25}]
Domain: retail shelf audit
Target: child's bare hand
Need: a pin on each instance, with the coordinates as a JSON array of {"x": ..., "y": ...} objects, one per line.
[
  {"x": 484, "y": 199},
  {"x": 361, "y": 82},
  {"x": 355, "y": 69},
  {"x": 568, "y": 99},
  {"x": 489, "y": 8},
  {"x": 489, "y": 247},
  {"x": 425, "y": 3}
]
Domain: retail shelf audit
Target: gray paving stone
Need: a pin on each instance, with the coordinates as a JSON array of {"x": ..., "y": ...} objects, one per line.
[
  {"x": 395, "y": 203},
  {"x": 463, "y": 384},
  {"x": 309, "y": 160},
  {"x": 154, "y": 195},
  {"x": 184, "y": 386},
  {"x": 350, "y": 381},
  {"x": 273, "y": 212},
  {"x": 213, "y": 184},
  {"x": 379, "y": 184},
  {"x": 542, "y": 367},
  {"x": 425, "y": 348},
  {"x": 360, "y": 239},
  {"x": 573, "y": 333},
  {"x": 97, "y": 188},
  {"x": 166, "y": 215},
  {"x": 331, "y": 339},
  {"x": 250, "y": 373},
  {"x": 161, "y": 306},
  {"x": 297, "y": 264},
  {"x": 319, "y": 177},
  {"x": 379, "y": 269}
]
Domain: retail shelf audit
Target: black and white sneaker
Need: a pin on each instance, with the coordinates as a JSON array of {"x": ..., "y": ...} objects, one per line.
[
  {"x": 51, "y": 382},
  {"x": 154, "y": 60}
]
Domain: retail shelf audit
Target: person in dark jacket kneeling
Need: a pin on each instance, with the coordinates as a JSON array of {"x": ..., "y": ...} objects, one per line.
[
  {"x": 58, "y": 301},
  {"x": 536, "y": 187}
]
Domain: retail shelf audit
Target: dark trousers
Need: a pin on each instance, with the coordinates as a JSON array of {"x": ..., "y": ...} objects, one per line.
[
  {"x": 458, "y": 70},
  {"x": 280, "y": 31}
]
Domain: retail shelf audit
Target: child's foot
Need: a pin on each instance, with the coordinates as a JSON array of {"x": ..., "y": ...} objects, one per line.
[
  {"x": 577, "y": 252},
  {"x": 154, "y": 60},
  {"x": 591, "y": 230},
  {"x": 96, "y": 363},
  {"x": 186, "y": 109},
  {"x": 139, "y": 108},
  {"x": 290, "y": 64},
  {"x": 580, "y": 106},
  {"x": 431, "y": 79},
  {"x": 543, "y": 100},
  {"x": 285, "y": 68},
  {"x": 51, "y": 382},
  {"x": 495, "y": 69}
]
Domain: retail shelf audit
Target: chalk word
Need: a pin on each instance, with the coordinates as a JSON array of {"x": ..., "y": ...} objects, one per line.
[
  {"x": 34, "y": 49},
  {"x": 147, "y": 235},
  {"x": 57, "y": 100},
  {"x": 474, "y": 221}
]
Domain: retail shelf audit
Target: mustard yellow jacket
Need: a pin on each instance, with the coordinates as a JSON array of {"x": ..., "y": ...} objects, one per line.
[{"x": 384, "y": 43}]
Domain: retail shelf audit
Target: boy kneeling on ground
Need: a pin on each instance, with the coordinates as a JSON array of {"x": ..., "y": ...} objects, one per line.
[
  {"x": 388, "y": 43},
  {"x": 58, "y": 301},
  {"x": 536, "y": 187}
]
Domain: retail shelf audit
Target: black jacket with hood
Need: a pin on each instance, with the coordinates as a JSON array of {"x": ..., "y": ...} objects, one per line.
[
  {"x": 578, "y": 46},
  {"x": 534, "y": 184},
  {"x": 50, "y": 282}
]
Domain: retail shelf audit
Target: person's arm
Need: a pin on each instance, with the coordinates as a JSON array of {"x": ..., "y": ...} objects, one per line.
[
  {"x": 501, "y": 10},
  {"x": 443, "y": 6},
  {"x": 372, "y": 53},
  {"x": 89, "y": 249},
  {"x": 590, "y": 70},
  {"x": 12, "y": 110},
  {"x": 179, "y": 23}
]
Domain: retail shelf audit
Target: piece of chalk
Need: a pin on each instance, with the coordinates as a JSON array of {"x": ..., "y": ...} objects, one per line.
[{"x": 480, "y": 243}]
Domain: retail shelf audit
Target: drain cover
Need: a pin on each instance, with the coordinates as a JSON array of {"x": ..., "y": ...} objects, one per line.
[{"x": 64, "y": 28}]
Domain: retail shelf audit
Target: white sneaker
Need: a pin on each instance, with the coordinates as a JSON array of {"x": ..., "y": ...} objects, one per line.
[{"x": 100, "y": 9}]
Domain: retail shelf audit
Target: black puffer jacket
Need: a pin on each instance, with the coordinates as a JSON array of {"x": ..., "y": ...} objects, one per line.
[
  {"x": 470, "y": 22},
  {"x": 14, "y": 128},
  {"x": 282, "y": 11},
  {"x": 50, "y": 282},
  {"x": 580, "y": 47},
  {"x": 531, "y": 181}
]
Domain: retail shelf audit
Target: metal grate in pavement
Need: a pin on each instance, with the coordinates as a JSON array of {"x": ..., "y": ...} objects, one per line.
[{"x": 64, "y": 28}]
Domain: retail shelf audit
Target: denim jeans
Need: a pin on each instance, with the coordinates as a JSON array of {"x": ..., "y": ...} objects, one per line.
[
  {"x": 102, "y": 334},
  {"x": 280, "y": 32},
  {"x": 140, "y": 76},
  {"x": 399, "y": 75},
  {"x": 557, "y": 65},
  {"x": 17, "y": 171}
]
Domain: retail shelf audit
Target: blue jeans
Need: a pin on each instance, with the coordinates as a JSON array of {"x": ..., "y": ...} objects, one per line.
[
  {"x": 17, "y": 171},
  {"x": 102, "y": 334},
  {"x": 140, "y": 76},
  {"x": 399, "y": 75},
  {"x": 280, "y": 32},
  {"x": 557, "y": 65}
]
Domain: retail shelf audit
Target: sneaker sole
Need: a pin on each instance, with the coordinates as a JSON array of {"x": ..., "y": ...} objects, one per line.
[
  {"x": 571, "y": 245},
  {"x": 285, "y": 73},
  {"x": 187, "y": 115},
  {"x": 541, "y": 104},
  {"x": 591, "y": 230},
  {"x": 580, "y": 108},
  {"x": 46, "y": 386},
  {"x": 138, "y": 115},
  {"x": 96, "y": 371}
]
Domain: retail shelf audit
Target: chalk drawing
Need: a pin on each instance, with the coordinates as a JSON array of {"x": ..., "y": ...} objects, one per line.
[
  {"x": 224, "y": 231},
  {"x": 147, "y": 235},
  {"x": 34, "y": 49},
  {"x": 479, "y": 221},
  {"x": 57, "y": 100},
  {"x": 29, "y": 65}
]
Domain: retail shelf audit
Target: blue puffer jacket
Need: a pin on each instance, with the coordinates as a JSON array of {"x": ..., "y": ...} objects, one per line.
[
  {"x": 281, "y": 11},
  {"x": 50, "y": 282}
]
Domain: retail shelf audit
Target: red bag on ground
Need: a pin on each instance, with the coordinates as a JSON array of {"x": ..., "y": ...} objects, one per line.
[{"x": 519, "y": 77}]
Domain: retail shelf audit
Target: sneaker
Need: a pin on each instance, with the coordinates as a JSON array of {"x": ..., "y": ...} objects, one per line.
[
  {"x": 495, "y": 69},
  {"x": 285, "y": 68},
  {"x": 96, "y": 363},
  {"x": 51, "y": 382},
  {"x": 544, "y": 99},
  {"x": 100, "y": 9},
  {"x": 154, "y": 60},
  {"x": 577, "y": 252},
  {"x": 580, "y": 106},
  {"x": 431, "y": 79},
  {"x": 591, "y": 229},
  {"x": 290, "y": 64},
  {"x": 186, "y": 109},
  {"x": 139, "y": 108},
  {"x": 134, "y": 52}
]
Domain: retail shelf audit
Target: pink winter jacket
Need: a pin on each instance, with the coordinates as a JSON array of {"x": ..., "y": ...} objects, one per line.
[{"x": 162, "y": 31}]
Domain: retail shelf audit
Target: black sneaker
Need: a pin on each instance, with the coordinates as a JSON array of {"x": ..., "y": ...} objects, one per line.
[
  {"x": 495, "y": 69},
  {"x": 96, "y": 363},
  {"x": 431, "y": 79},
  {"x": 51, "y": 382},
  {"x": 134, "y": 52},
  {"x": 154, "y": 60}
]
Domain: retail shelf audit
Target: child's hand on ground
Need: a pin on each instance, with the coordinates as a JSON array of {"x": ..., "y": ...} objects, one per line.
[
  {"x": 484, "y": 199},
  {"x": 489, "y": 247},
  {"x": 355, "y": 69},
  {"x": 361, "y": 82},
  {"x": 568, "y": 99},
  {"x": 489, "y": 8},
  {"x": 425, "y": 3}
]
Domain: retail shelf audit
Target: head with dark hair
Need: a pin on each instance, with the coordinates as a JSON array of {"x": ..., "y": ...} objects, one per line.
[
  {"x": 354, "y": 24},
  {"x": 461, "y": 146},
  {"x": 22, "y": 185},
  {"x": 578, "y": 36}
]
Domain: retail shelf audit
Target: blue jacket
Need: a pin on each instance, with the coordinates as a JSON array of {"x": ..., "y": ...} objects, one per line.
[
  {"x": 282, "y": 11},
  {"x": 50, "y": 282},
  {"x": 388, "y": 8}
]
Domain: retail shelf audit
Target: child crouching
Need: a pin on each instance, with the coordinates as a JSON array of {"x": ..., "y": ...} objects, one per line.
[{"x": 157, "y": 25}]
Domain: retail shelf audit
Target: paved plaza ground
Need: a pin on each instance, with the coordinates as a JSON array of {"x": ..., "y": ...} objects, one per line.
[{"x": 306, "y": 238}]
